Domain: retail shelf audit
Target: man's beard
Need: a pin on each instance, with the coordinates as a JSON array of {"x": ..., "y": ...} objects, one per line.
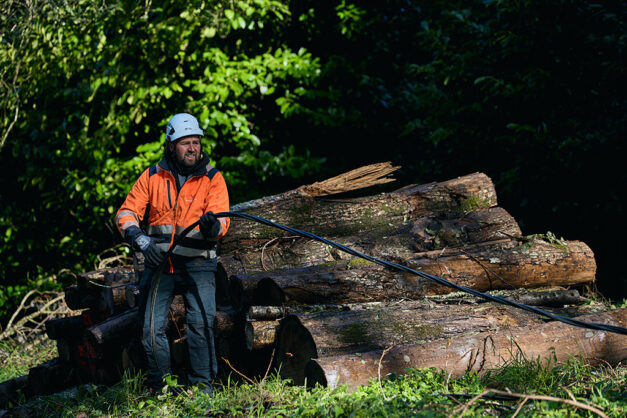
[{"x": 188, "y": 163}]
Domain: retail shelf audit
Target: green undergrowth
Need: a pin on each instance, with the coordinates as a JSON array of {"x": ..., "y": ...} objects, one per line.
[{"x": 423, "y": 392}]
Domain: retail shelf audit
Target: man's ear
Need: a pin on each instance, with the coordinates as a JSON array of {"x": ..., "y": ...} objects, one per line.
[{"x": 170, "y": 146}]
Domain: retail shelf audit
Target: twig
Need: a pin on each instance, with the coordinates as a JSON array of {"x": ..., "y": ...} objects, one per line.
[
  {"x": 379, "y": 372},
  {"x": 467, "y": 405},
  {"x": 594, "y": 409},
  {"x": 19, "y": 308},
  {"x": 237, "y": 371},
  {"x": 263, "y": 265},
  {"x": 269, "y": 364},
  {"x": 520, "y": 405},
  {"x": 11, "y": 329}
]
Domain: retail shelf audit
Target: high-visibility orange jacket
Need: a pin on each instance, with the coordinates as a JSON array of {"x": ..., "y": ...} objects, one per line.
[{"x": 172, "y": 210}]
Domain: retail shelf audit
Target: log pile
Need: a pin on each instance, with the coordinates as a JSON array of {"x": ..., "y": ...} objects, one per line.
[{"x": 317, "y": 315}]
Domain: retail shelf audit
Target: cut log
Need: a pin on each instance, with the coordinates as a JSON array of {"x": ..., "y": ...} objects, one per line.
[
  {"x": 115, "y": 328},
  {"x": 509, "y": 265},
  {"x": 344, "y": 217},
  {"x": 123, "y": 274},
  {"x": 261, "y": 313},
  {"x": 381, "y": 325},
  {"x": 260, "y": 334},
  {"x": 70, "y": 328},
  {"x": 551, "y": 298},
  {"x": 80, "y": 298},
  {"x": 393, "y": 242},
  {"x": 488, "y": 350},
  {"x": 49, "y": 377},
  {"x": 9, "y": 389},
  {"x": 495, "y": 265}
]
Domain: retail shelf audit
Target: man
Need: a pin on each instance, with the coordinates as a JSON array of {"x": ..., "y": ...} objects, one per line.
[{"x": 178, "y": 191}]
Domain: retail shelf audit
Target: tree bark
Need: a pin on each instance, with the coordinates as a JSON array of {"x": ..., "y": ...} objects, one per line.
[
  {"x": 344, "y": 217},
  {"x": 381, "y": 325},
  {"x": 495, "y": 265},
  {"x": 509, "y": 265},
  {"x": 481, "y": 352},
  {"x": 394, "y": 242}
]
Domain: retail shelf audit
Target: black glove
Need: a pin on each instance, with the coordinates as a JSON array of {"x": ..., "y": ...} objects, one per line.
[
  {"x": 209, "y": 225},
  {"x": 148, "y": 246}
]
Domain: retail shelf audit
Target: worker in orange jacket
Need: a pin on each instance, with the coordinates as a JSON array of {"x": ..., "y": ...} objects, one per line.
[{"x": 178, "y": 191}]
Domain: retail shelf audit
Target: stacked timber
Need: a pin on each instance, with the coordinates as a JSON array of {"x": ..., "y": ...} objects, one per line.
[{"x": 318, "y": 315}]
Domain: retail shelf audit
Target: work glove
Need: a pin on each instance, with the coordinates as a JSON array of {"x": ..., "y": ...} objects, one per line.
[
  {"x": 148, "y": 246},
  {"x": 209, "y": 225}
]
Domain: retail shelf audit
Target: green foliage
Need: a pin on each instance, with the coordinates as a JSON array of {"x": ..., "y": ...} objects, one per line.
[{"x": 92, "y": 85}]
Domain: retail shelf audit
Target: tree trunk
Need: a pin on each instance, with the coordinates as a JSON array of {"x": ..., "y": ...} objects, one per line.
[
  {"x": 381, "y": 325},
  {"x": 344, "y": 217},
  {"x": 495, "y": 265},
  {"x": 481, "y": 352},
  {"x": 394, "y": 242},
  {"x": 508, "y": 265}
]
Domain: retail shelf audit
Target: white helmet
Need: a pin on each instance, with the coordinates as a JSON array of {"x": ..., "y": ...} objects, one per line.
[{"x": 182, "y": 124}]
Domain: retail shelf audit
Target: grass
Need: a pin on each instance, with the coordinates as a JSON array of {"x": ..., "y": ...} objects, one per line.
[{"x": 418, "y": 393}]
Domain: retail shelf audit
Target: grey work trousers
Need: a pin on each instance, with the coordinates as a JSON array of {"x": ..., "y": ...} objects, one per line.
[{"x": 198, "y": 290}]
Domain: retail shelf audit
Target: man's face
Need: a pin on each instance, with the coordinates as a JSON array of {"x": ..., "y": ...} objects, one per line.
[{"x": 187, "y": 150}]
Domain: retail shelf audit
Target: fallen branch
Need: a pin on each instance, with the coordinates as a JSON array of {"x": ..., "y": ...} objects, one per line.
[{"x": 594, "y": 409}]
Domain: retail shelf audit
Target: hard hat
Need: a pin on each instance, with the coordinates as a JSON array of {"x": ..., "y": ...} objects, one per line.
[{"x": 182, "y": 124}]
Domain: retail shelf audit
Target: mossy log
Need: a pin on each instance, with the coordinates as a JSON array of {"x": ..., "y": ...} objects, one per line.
[
  {"x": 397, "y": 240},
  {"x": 344, "y": 217},
  {"x": 553, "y": 341},
  {"x": 508, "y": 264},
  {"x": 301, "y": 337},
  {"x": 503, "y": 264}
]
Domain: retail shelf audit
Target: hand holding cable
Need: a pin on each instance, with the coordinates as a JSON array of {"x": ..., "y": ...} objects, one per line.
[{"x": 209, "y": 225}]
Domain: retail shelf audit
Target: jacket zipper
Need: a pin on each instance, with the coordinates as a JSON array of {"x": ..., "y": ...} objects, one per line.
[
  {"x": 176, "y": 206},
  {"x": 169, "y": 198}
]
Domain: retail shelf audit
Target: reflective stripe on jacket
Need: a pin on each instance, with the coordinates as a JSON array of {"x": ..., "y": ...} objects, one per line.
[{"x": 170, "y": 212}]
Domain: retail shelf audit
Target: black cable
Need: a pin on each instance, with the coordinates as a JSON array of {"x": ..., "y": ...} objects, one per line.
[{"x": 400, "y": 267}]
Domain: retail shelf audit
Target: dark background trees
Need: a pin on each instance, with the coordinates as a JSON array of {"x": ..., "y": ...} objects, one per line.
[{"x": 529, "y": 92}]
